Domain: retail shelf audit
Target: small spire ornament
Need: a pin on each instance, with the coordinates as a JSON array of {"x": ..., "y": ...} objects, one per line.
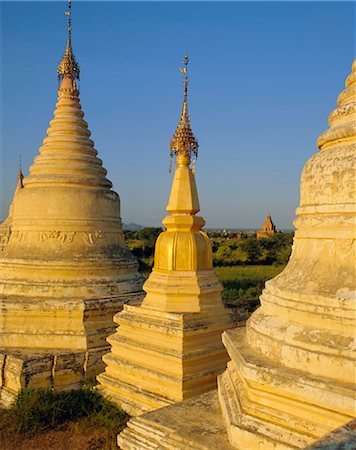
[
  {"x": 20, "y": 174},
  {"x": 184, "y": 143},
  {"x": 68, "y": 65}
]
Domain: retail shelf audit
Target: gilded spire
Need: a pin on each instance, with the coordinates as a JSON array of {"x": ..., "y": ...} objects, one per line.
[
  {"x": 20, "y": 175},
  {"x": 183, "y": 142},
  {"x": 68, "y": 65}
]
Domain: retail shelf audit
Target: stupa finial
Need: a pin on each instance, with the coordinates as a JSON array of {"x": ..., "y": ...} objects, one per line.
[
  {"x": 20, "y": 174},
  {"x": 68, "y": 65},
  {"x": 184, "y": 143}
]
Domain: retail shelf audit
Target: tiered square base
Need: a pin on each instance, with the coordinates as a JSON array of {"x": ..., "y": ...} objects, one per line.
[
  {"x": 270, "y": 407},
  {"x": 159, "y": 358},
  {"x": 56, "y": 369},
  {"x": 195, "y": 424}
]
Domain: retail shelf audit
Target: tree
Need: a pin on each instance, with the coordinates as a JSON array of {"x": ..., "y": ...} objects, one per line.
[
  {"x": 149, "y": 235},
  {"x": 222, "y": 255},
  {"x": 253, "y": 249}
]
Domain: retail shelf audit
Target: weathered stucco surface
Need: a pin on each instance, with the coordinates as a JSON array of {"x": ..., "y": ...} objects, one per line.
[
  {"x": 194, "y": 424},
  {"x": 64, "y": 267},
  {"x": 343, "y": 438},
  {"x": 291, "y": 378}
]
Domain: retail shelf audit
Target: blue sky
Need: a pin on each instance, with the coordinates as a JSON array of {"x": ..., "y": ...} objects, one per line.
[{"x": 263, "y": 78}]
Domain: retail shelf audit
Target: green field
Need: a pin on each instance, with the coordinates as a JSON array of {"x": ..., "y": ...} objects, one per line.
[{"x": 244, "y": 284}]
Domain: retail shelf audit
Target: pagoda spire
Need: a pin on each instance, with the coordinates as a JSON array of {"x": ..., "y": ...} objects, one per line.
[
  {"x": 184, "y": 196},
  {"x": 20, "y": 176},
  {"x": 68, "y": 154},
  {"x": 68, "y": 65},
  {"x": 184, "y": 144}
]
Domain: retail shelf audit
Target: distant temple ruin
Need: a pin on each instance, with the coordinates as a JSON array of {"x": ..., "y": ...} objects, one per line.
[{"x": 268, "y": 228}]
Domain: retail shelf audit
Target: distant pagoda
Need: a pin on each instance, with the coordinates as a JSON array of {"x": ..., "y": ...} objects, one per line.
[
  {"x": 169, "y": 348},
  {"x": 64, "y": 266},
  {"x": 268, "y": 228}
]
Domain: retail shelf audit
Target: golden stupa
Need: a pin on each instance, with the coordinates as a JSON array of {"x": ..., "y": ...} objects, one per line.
[
  {"x": 169, "y": 348},
  {"x": 64, "y": 266},
  {"x": 291, "y": 378}
]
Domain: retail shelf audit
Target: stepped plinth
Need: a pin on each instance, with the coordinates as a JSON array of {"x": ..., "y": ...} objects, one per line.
[
  {"x": 169, "y": 348},
  {"x": 64, "y": 266},
  {"x": 291, "y": 375}
]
